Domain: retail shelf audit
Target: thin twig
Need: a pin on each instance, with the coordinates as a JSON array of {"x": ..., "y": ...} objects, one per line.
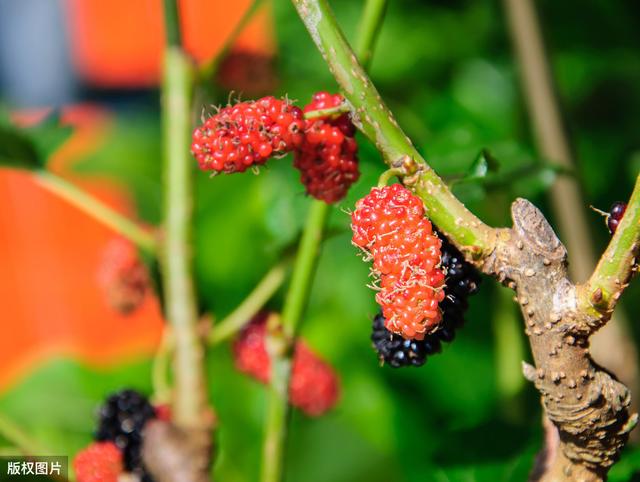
[
  {"x": 160, "y": 369},
  {"x": 173, "y": 35},
  {"x": 251, "y": 305},
  {"x": 96, "y": 209},
  {"x": 211, "y": 67},
  {"x": 18, "y": 437},
  {"x": 328, "y": 112},
  {"x": 295, "y": 302},
  {"x": 617, "y": 264},
  {"x": 369, "y": 30}
]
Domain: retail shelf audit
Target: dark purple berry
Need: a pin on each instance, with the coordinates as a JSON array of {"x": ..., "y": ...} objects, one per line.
[
  {"x": 615, "y": 215},
  {"x": 462, "y": 280},
  {"x": 121, "y": 420}
]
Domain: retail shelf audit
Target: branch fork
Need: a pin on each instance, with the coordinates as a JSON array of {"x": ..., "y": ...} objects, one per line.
[{"x": 587, "y": 405}]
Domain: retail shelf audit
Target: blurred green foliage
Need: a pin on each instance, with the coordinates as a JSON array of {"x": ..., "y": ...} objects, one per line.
[{"x": 446, "y": 68}]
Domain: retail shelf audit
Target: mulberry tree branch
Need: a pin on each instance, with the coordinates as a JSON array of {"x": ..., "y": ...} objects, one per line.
[
  {"x": 616, "y": 266},
  {"x": 375, "y": 120},
  {"x": 252, "y": 304},
  {"x": 181, "y": 309},
  {"x": 188, "y": 436},
  {"x": 588, "y": 407}
]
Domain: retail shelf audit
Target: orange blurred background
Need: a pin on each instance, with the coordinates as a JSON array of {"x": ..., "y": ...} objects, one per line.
[{"x": 52, "y": 304}]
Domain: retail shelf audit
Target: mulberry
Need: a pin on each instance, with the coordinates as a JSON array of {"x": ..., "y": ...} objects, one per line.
[
  {"x": 314, "y": 386},
  {"x": 615, "y": 215},
  {"x": 99, "y": 462},
  {"x": 247, "y": 134},
  {"x": 328, "y": 157},
  {"x": 462, "y": 280},
  {"x": 121, "y": 421},
  {"x": 389, "y": 225}
]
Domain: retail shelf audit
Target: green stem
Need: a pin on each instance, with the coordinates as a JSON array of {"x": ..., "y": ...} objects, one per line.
[
  {"x": 389, "y": 174},
  {"x": 375, "y": 120},
  {"x": 14, "y": 434},
  {"x": 295, "y": 302},
  {"x": 210, "y": 68},
  {"x": 617, "y": 264},
  {"x": 330, "y": 111},
  {"x": 304, "y": 268},
  {"x": 181, "y": 310},
  {"x": 250, "y": 306},
  {"x": 96, "y": 209},
  {"x": 160, "y": 369},
  {"x": 172, "y": 23},
  {"x": 369, "y": 29}
]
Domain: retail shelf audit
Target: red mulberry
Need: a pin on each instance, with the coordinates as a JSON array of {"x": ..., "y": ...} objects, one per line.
[
  {"x": 122, "y": 276},
  {"x": 328, "y": 157},
  {"x": 314, "y": 386},
  {"x": 247, "y": 134},
  {"x": 390, "y": 226},
  {"x": 99, "y": 462},
  {"x": 462, "y": 280}
]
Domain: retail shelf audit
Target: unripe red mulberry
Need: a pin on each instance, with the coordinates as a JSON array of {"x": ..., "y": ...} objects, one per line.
[
  {"x": 249, "y": 351},
  {"x": 247, "y": 134},
  {"x": 389, "y": 225},
  {"x": 314, "y": 386},
  {"x": 99, "y": 462},
  {"x": 327, "y": 159},
  {"x": 122, "y": 276}
]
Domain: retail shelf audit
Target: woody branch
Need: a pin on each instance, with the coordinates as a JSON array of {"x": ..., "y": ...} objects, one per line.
[{"x": 588, "y": 407}]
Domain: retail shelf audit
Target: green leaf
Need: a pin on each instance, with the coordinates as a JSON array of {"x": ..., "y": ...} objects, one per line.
[
  {"x": 30, "y": 148},
  {"x": 16, "y": 149},
  {"x": 48, "y": 135},
  {"x": 484, "y": 163}
]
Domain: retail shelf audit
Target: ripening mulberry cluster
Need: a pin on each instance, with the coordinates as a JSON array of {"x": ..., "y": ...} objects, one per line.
[
  {"x": 462, "y": 280},
  {"x": 246, "y": 134},
  {"x": 389, "y": 225},
  {"x": 314, "y": 386},
  {"x": 121, "y": 422},
  {"x": 328, "y": 157},
  {"x": 123, "y": 277}
]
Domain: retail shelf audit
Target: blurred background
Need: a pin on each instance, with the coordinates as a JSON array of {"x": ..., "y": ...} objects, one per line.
[{"x": 447, "y": 69}]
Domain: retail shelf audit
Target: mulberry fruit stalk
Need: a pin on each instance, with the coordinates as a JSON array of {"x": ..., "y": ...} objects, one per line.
[
  {"x": 314, "y": 386},
  {"x": 462, "y": 280},
  {"x": 246, "y": 134},
  {"x": 98, "y": 462},
  {"x": 389, "y": 225},
  {"x": 328, "y": 156}
]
